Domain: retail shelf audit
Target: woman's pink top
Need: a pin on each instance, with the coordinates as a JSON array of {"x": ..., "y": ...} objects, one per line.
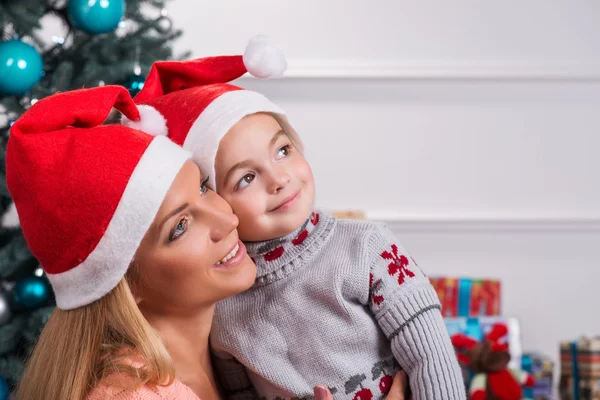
[{"x": 176, "y": 391}]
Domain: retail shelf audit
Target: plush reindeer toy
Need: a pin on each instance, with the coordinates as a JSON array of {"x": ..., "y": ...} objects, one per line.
[{"x": 489, "y": 359}]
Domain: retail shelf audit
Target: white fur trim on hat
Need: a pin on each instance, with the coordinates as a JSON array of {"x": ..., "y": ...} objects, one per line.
[
  {"x": 102, "y": 270},
  {"x": 218, "y": 118},
  {"x": 151, "y": 121},
  {"x": 263, "y": 58}
]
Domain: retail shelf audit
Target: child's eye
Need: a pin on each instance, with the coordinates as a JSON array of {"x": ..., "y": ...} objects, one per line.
[
  {"x": 179, "y": 229},
  {"x": 284, "y": 151},
  {"x": 203, "y": 187},
  {"x": 245, "y": 181}
]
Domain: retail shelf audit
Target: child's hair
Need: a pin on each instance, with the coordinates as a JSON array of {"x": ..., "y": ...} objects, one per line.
[
  {"x": 78, "y": 348},
  {"x": 293, "y": 135}
]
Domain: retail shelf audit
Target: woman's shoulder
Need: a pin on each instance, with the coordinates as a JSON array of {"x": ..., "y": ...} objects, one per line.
[{"x": 116, "y": 387}]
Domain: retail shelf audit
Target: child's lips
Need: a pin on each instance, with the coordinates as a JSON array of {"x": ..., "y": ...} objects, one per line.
[{"x": 287, "y": 202}]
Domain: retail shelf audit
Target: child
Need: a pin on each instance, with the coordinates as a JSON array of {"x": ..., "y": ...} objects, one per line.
[{"x": 334, "y": 301}]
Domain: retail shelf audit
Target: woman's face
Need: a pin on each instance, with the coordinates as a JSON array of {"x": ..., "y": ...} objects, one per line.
[{"x": 191, "y": 256}]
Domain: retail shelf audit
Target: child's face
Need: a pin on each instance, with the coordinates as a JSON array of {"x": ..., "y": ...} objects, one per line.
[{"x": 267, "y": 182}]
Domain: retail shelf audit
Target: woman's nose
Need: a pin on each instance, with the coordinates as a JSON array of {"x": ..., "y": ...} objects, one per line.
[{"x": 224, "y": 223}]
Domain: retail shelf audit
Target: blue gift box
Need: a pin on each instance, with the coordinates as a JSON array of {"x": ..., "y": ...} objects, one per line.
[{"x": 541, "y": 368}]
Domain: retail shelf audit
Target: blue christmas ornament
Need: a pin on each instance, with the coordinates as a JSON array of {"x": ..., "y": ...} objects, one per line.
[
  {"x": 135, "y": 83},
  {"x": 31, "y": 292},
  {"x": 21, "y": 67},
  {"x": 4, "y": 390},
  {"x": 95, "y": 16}
]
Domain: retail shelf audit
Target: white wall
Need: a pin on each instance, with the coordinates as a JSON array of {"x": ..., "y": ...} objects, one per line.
[{"x": 472, "y": 127}]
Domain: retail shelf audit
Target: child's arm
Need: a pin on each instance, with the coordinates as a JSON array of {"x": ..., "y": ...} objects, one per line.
[
  {"x": 407, "y": 309},
  {"x": 232, "y": 377}
]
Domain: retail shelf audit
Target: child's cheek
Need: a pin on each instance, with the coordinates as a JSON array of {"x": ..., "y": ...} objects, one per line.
[{"x": 247, "y": 208}]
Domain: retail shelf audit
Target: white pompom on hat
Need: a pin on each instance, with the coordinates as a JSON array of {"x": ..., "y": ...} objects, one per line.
[{"x": 193, "y": 103}]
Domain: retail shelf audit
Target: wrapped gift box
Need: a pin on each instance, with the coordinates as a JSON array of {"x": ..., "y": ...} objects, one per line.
[
  {"x": 348, "y": 214},
  {"x": 541, "y": 368},
  {"x": 580, "y": 369},
  {"x": 465, "y": 297}
]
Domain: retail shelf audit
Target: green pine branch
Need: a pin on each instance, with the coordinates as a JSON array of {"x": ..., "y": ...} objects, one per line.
[
  {"x": 11, "y": 368},
  {"x": 14, "y": 256},
  {"x": 84, "y": 60}
]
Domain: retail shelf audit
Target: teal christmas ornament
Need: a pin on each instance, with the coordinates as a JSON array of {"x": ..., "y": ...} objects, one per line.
[
  {"x": 31, "y": 292},
  {"x": 4, "y": 390},
  {"x": 21, "y": 67},
  {"x": 135, "y": 83},
  {"x": 95, "y": 16}
]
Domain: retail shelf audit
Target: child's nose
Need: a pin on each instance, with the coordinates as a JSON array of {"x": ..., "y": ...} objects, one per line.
[{"x": 279, "y": 181}]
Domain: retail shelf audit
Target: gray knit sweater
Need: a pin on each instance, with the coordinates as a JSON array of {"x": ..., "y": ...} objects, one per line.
[{"x": 339, "y": 303}]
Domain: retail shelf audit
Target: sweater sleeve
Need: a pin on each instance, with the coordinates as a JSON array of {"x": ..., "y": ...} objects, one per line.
[
  {"x": 406, "y": 307},
  {"x": 232, "y": 377}
]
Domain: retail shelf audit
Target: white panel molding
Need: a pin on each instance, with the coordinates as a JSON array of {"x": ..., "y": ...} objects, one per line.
[
  {"x": 443, "y": 70},
  {"x": 488, "y": 223}
]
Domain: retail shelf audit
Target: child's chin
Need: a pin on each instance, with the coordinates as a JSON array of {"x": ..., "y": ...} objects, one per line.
[{"x": 290, "y": 222}]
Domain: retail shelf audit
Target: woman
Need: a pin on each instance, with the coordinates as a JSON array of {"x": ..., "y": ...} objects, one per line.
[{"x": 136, "y": 248}]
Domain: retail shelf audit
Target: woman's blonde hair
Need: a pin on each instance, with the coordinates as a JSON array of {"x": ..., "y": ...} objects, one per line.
[{"x": 80, "y": 347}]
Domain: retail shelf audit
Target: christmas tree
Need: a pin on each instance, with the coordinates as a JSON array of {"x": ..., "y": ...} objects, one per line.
[{"x": 49, "y": 46}]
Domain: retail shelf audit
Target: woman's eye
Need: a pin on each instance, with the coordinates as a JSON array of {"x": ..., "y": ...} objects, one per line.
[
  {"x": 203, "y": 187},
  {"x": 179, "y": 229},
  {"x": 245, "y": 181},
  {"x": 284, "y": 151}
]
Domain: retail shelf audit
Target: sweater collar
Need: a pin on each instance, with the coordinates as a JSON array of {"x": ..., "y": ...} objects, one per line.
[{"x": 276, "y": 258}]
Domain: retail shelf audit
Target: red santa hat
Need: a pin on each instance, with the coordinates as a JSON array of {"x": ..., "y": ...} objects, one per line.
[
  {"x": 86, "y": 194},
  {"x": 194, "y": 105}
]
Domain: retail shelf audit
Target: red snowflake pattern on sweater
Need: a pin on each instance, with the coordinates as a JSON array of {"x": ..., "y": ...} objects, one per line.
[
  {"x": 398, "y": 264},
  {"x": 377, "y": 299}
]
